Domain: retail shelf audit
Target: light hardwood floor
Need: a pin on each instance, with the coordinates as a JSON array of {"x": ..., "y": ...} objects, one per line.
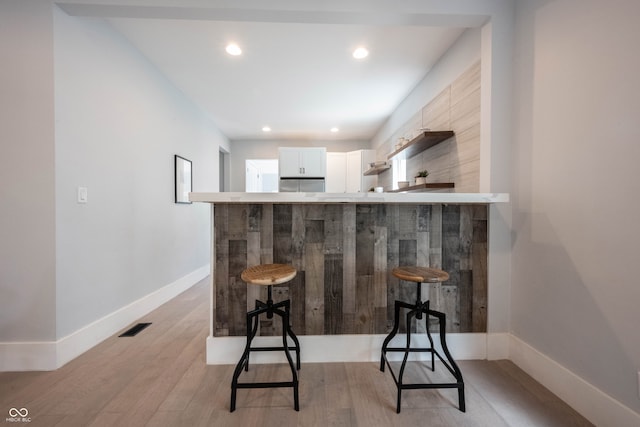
[{"x": 159, "y": 378}]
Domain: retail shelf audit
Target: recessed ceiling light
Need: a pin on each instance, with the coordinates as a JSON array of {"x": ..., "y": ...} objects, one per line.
[
  {"x": 360, "y": 53},
  {"x": 233, "y": 49},
  {"x": 266, "y": 129},
  {"x": 334, "y": 129}
]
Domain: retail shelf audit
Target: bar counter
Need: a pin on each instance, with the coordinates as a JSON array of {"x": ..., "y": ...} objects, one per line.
[{"x": 344, "y": 247}]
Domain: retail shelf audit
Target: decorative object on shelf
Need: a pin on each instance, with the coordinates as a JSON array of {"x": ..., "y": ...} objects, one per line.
[
  {"x": 379, "y": 189},
  {"x": 403, "y": 184},
  {"x": 371, "y": 190},
  {"x": 421, "y": 177},
  {"x": 422, "y": 142},
  {"x": 182, "y": 178}
]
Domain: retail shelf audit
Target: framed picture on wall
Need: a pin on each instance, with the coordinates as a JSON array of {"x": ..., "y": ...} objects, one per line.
[{"x": 183, "y": 177}]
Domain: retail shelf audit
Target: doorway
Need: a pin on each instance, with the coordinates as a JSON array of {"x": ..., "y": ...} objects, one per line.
[{"x": 261, "y": 176}]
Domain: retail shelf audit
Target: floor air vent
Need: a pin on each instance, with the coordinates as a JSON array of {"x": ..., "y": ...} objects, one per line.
[{"x": 135, "y": 330}]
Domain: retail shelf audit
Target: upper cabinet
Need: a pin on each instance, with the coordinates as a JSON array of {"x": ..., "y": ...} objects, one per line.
[
  {"x": 336, "y": 181},
  {"x": 421, "y": 142},
  {"x": 295, "y": 162},
  {"x": 345, "y": 172}
]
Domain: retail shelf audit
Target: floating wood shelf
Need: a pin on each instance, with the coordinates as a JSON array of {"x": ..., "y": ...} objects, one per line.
[
  {"x": 425, "y": 187},
  {"x": 422, "y": 142},
  {"x": 377, "y": 170}
]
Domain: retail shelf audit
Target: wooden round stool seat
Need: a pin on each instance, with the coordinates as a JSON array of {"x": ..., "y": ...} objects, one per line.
[
  {"x": 268, "y": 274},
  {"x": 420, "y": 274}
]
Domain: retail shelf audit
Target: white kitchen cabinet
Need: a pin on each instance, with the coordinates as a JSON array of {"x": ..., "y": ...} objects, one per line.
[
  {"x": 296, "y": 162},
  {"x": 336, "y": 180},
  {"x": 358, "y": 162}
]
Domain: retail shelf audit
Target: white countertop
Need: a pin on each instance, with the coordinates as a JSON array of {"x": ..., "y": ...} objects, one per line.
[{"x": 424, "y": 197}]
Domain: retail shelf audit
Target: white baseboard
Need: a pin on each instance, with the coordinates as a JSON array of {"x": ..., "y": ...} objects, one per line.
[
  {"x": 341, "y": 348},
  {"x": 595, "y": 405},
  {"x": 498, "y": 346},
  {"x": 46, "y": 356},
  {"x": 28, "y": 356}
]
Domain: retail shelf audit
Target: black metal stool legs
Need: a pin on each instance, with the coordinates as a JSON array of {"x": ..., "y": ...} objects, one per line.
[
  {"x": 451, "y": 366},
  {"x": 252, "y": 326},
  {"x": 417, "y": 310}
]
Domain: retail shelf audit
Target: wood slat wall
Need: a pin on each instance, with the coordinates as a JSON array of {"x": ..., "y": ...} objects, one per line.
[
  {"x": 457, "y": 160},
  {"x": 344, "y": 254}
]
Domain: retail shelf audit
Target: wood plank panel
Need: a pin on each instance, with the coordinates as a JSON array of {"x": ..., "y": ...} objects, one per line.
[
  {"x": 297, "y": 295},
  {"x": 253, "y": 258},
  {"x": 266, "y": 234},
  {"x": 282, "y": 226},
  {"x": 365, "y": 310},
  {"x": 365, "y": 243},
  {"x": 365, "y": 222},
  {"x": 314, "y": 289},
  {"x": 333, "y": 315},
  {"x": 380, "y": 267},
  {"x": 221, "y": 326},
  {"x": 451, "y": 308},
  {"x": 407, "y": 222},
  {"x": 479, "y": 272},
  {"x": 237, "y": 222},
  {"x": 346, "y": 253},
  {"x": 465, "y": 237},
  {"x": 254, "y": 219},
  {"x": 393, "y": 260},
  {"x": 237, "y": 288},
  {"x": 298, "y": 230},
  {"x": 333, "y": 229},
  {"x": 407, "y": 291},
  {"x": 451, "y": 243},
  {"x": 349, "y": 272},
  {"x": 465, "y": 300},
  {"x": 435, "y": 240}
]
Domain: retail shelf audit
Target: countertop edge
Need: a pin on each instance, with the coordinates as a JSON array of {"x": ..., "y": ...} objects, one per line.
[{"x": 237, "y": 197}]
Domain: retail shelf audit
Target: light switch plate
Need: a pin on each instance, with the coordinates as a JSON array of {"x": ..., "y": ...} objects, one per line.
[{"x": 82, "y": 194}]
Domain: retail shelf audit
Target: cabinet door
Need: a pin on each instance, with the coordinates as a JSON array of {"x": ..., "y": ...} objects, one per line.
[
  {"x": 354, "y": 172},
  {"x": 336, "y": 173},
  {"x": 313, "y": 162},
  {"x": 289, "y": 162},
  {"x": 358, "y": 162}
]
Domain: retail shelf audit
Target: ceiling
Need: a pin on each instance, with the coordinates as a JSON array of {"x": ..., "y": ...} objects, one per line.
[{"x": 296, "y": 76}]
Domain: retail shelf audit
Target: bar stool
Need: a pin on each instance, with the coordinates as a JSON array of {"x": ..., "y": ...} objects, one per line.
[
  {"x": 268, "y": 275},
  {"x": 421, "y": 275}
]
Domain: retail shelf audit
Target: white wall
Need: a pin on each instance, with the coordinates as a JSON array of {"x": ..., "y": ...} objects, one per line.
[
  {"x": 575, "y": 290},
  {"x": 119, "y": 123},
  {"x": 80, "y": 107},
  {"x": 243, "y": 150},
  {"x": 27, "y": 193}
]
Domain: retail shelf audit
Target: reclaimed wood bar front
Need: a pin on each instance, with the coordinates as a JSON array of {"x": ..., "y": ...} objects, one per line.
[{"x": 344, "y": 247}]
